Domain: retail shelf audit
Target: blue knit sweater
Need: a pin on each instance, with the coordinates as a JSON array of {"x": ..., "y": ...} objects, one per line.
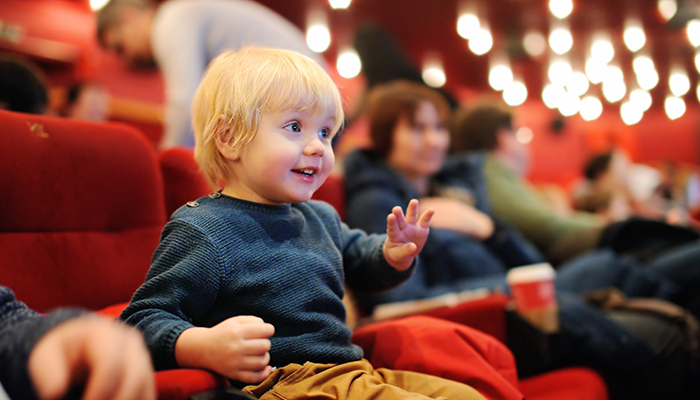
[{"x": 221, "y": 257}]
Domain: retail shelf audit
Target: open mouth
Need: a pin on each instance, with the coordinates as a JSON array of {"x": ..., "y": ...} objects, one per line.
[{"x": 305, "y": 172}]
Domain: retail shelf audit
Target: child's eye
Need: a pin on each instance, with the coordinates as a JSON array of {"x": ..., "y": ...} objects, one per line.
[
  {"x": 324, "y": 133},
  {"x": 294, "y": 127}
]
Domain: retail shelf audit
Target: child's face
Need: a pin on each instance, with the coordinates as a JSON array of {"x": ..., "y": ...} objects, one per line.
[{"x": 288, "y": 159}]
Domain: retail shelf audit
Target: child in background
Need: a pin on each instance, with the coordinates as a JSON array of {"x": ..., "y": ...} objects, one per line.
[{"x": 251, "y": 278}]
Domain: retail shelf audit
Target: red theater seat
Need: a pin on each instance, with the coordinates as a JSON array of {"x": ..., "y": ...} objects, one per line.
[{"x": 82, "y": 211}]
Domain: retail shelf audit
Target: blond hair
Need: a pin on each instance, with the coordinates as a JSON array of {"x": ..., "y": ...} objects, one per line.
[{"x": 238, "y": 86}]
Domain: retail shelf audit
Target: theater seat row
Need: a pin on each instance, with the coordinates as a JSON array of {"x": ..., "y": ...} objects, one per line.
[{"x": 81, "y": 211}]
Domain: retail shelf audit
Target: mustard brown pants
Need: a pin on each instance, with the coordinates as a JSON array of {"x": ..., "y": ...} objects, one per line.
[{"x": 356, "y": 380}]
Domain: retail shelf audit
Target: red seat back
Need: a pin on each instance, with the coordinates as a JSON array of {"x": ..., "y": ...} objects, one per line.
[
  {"x": 80, "y": 213},
  {"x": 183, "y": 181}
]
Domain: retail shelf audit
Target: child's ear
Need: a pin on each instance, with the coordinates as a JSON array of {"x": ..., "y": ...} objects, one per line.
[{"x": 225, "y": 143}]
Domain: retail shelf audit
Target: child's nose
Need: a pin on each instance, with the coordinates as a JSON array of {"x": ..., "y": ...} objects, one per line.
[{"x": 314, "y": 147}]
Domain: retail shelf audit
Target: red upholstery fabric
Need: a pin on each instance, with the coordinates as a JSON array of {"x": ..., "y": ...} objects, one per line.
[
  {"x": 568, "y": 383},
  {"x": 180, "y": 384},
  {"x": 182, "y": 179},
  {"x": 332, "y": 192},
  {"x": 454, "y": 351},
  {"x": 82, "y": 210},
  {"x": 486, "y": 314},
  {"x": 446, "y": 349}
]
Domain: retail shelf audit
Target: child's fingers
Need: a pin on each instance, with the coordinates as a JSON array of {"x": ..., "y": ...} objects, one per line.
[
  {"x": 397, "y": 212},
  {"x": 253, "y": 376},
  {"x": 412, "y": 212},
  {"x": 424, "y": 221}
]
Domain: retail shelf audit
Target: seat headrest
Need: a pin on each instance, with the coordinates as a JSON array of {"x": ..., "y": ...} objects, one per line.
[{"x": 61, "y": 174}]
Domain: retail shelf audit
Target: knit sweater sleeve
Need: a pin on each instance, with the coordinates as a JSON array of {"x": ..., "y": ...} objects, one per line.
[
  {"x": 20, "y": 329},
  {"x": 366, "y": 269},
  {"x": 180, "y": 287}
]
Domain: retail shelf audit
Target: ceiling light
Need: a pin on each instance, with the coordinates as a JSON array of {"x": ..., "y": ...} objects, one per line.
[
  {"x": 553, "y": 95},
  {"x": 559, "y": 72},
  {"x": 433, "y": 73},
  {"x": 693, "y": 31},
  {"x": 697, "y": 59},
  {"x": 561, "y": 8},
  {"x": 339, "y": 4},
  {"x": 595, "y": 70},
  {"x": 634, "y": 35},
  {"x": 591, "y": 108},
  {"x": 667, "y": 8},
  {"x": 630, "y": 113},
  {"x": 500, "y": 77},
  {"x": 648, "y": 80},
  {"x": 481, "y": 43},
  {"x": 603, "y": 50},
  {"x": 515, "y": 94},
  {"x": 570, "y": 105},
  {"x": 641, "y": 98},
  {"x": 534, "y": 43},
  {"x": 468, "y": 25},
  {"x": 678, "y": 82},
  {"x": 349, "y": 64},
  {"x": 96, "y": 5},
  {"x": 524, "y": 135},
  {"x": 318, "y": 38},
  {"x": 560, "y": 40},
  {"x": 642, "y": 64},
  {"x": 577, "y": 84},
  {"x": 614, "y": 88},
  {"x": 674, "y": 106}
]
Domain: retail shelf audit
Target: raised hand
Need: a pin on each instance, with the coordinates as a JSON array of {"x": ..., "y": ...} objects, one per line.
[{"x": 406, "y": 235}]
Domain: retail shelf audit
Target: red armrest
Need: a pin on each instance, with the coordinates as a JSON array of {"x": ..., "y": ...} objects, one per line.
[
  {"x": 180, "y": 384},
  {"x": 486, "y": 314}
]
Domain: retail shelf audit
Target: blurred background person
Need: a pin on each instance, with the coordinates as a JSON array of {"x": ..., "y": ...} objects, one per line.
[
  {"x": 22, "y": 86},
  {"x": 181, "y": 37}
]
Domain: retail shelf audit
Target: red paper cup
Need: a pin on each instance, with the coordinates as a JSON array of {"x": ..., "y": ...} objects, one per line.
[{"x": 532, "y": 288}]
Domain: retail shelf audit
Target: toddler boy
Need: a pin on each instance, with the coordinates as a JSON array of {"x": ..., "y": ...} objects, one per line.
[{"x": 252, "y": 276}]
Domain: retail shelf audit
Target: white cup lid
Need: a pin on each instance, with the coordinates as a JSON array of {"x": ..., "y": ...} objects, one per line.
[{"x": 531, "y": 273}]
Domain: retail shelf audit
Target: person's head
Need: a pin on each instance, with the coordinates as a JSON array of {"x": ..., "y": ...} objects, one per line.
[
  {"x": 408, "y": 127},
  {"x": 124, "y": 27},
  {"x": 597, "y": 165},
  {"x": 85, "y": 100},
  {"x": 489, "y": 128},
  {"x": 22, "y": 86},
  {"x": 263, "y": 121}
]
